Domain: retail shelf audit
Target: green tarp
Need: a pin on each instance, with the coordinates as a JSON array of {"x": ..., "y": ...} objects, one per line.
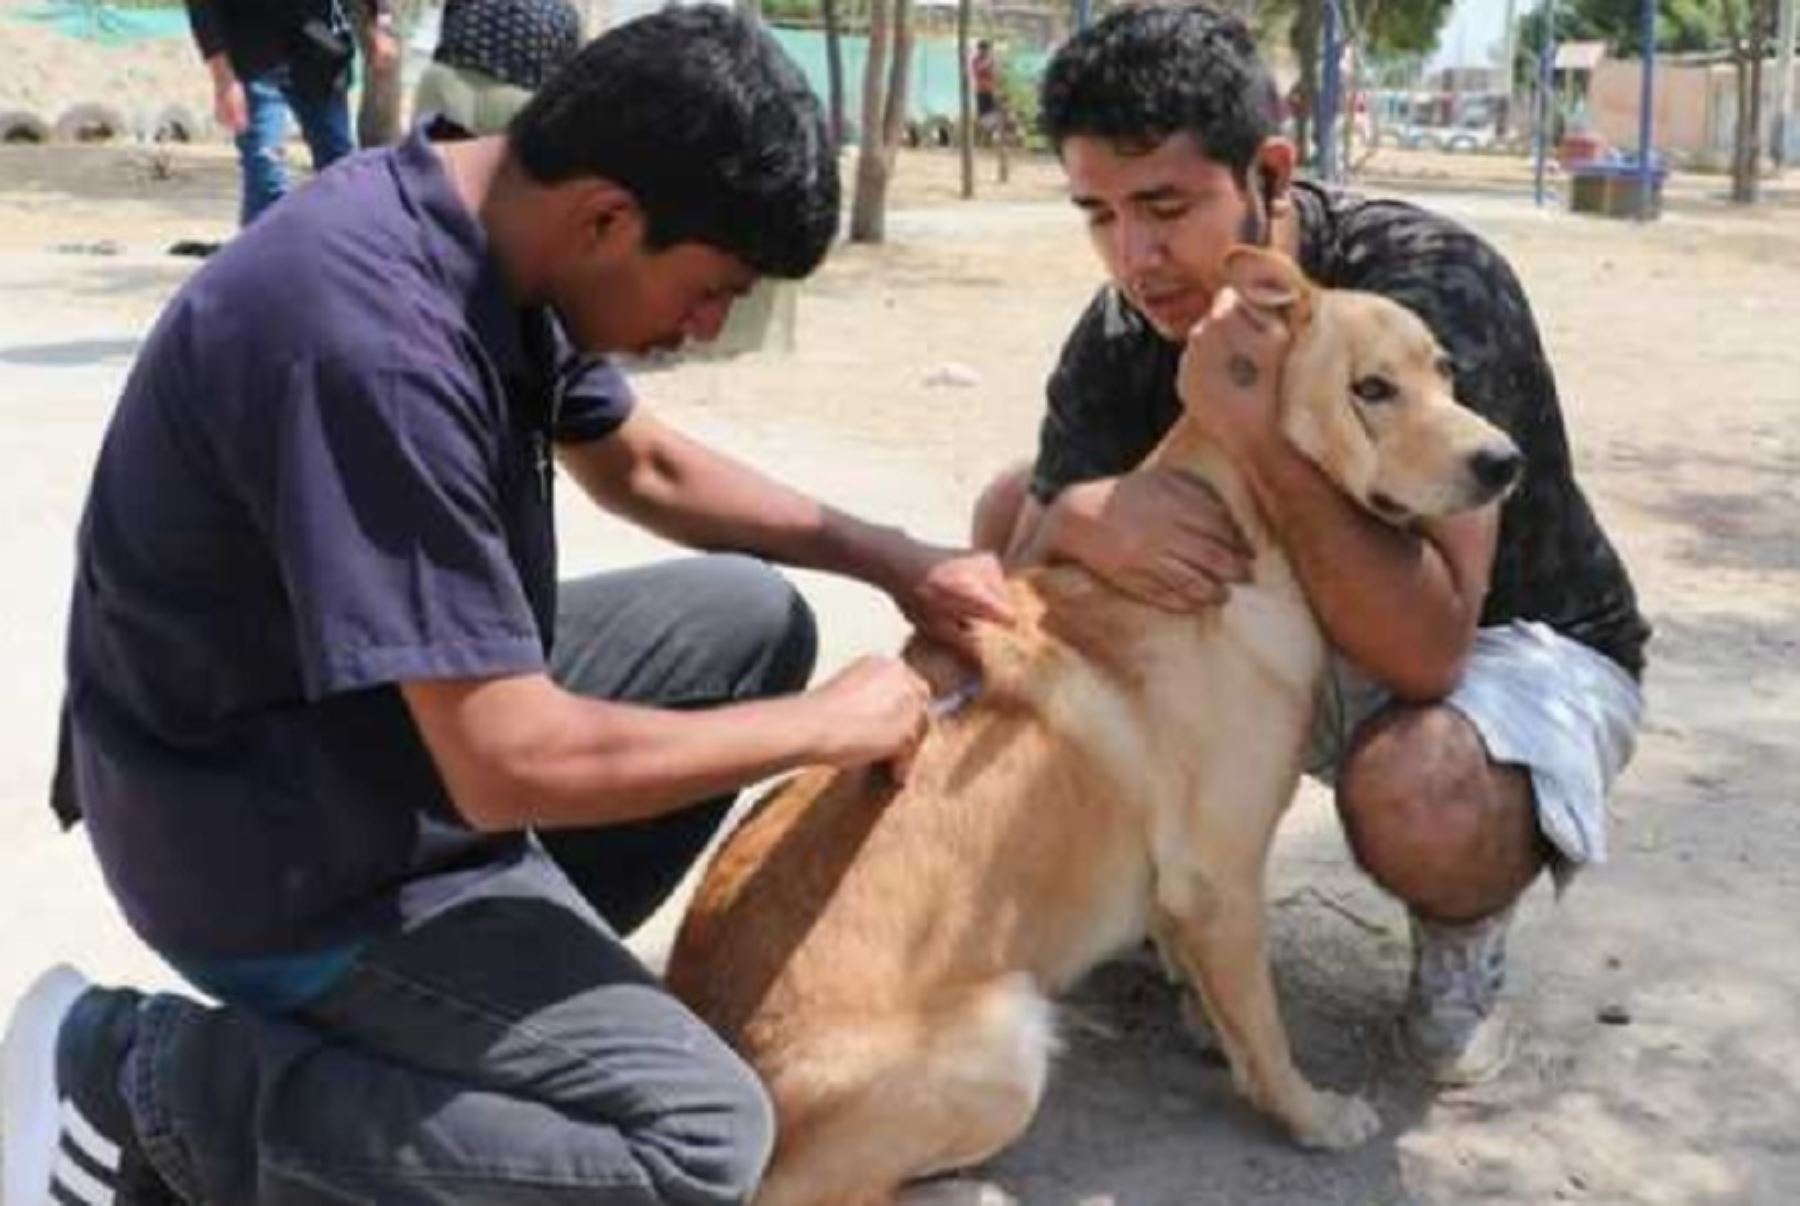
[
  {"x": 96, "y": 22},
  {"x": 933, "y": 90}
]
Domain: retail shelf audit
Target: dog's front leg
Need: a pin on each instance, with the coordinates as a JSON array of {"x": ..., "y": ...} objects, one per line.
[{"x": 1219, "y": 939}]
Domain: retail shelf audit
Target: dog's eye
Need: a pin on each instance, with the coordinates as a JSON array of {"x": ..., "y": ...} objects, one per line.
[
  {"x": 1374, "y": 389},
  {"x": 1446, "y": 368}
]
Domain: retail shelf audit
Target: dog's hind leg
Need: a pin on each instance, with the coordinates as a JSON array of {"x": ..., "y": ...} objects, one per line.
[{"x": 892, "y": 1099}]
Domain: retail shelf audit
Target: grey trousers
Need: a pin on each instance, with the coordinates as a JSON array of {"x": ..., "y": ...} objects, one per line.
[{"x": 510, "y": 1049}]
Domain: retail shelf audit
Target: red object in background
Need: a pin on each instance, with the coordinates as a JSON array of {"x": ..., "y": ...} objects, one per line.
[
  {"x": 984, "y": 71},
  {"x": 1579, "y": 148}
]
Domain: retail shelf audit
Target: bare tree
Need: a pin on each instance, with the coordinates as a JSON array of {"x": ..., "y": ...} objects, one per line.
[
  {"x": 834, "y": 70},
  {"x": 964, "y": 103},
  {"x": 1746, "y": 25},
  {"x": 378, "y": 121},
  {"x": 883, "y": 115}
]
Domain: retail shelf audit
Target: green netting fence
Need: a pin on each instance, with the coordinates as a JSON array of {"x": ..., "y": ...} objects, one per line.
[
  {"x": 932, "y": 91},
  {"x": 110, "y": 24}
]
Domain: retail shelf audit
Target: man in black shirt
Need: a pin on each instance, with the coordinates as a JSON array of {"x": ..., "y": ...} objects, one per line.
[
  {"x": 1484, "y": 692},
  {"x": 268, "y": 57}
]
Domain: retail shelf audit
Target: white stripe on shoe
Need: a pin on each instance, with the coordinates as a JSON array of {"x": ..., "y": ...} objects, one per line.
[
  {"x": 79, "y": 1183},
  {"x": 92, "y": 1143},
  {"x": 31, "y": 1119}
]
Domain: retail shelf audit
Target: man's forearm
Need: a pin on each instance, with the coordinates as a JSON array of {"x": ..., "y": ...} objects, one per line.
[
  {"x": 690, "y": 494},
  {"x": 1388, "y": 598},
  {"x": 522, "y": 753},
  {"x": 636, "y": 763},
  {"x": 1053, "y": 531}
]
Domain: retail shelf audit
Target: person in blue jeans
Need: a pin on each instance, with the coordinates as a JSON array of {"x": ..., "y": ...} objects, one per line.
[
  {"x": 268, "y": 57},
  {"x": 355, "y": 762}
]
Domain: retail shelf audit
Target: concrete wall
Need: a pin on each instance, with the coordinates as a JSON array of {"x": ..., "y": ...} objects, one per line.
[{"x": 1694, "y": 110}]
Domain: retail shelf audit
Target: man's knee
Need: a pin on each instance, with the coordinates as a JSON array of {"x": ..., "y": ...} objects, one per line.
[
  {"x": 1432, "y": 819},
  {"x": 763, "y": 611},
  {"x": 997, "y": 509},
  {"x": 716, "y": 1146}
]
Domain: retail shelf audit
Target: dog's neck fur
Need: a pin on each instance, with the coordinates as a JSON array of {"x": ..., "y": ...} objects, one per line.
[{"x": 1059, "y": 600}]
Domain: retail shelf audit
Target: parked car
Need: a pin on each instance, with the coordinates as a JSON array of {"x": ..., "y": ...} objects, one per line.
[{"x": 1470, "y": 136}]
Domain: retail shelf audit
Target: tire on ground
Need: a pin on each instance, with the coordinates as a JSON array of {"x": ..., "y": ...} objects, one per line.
[
  {"x": 19, "y": 125},
  {"x": 173, "y": 123},
  {"x": 91, "y": 122}
]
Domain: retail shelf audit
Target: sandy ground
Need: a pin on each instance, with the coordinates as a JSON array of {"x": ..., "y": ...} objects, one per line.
[{"x": 917, "y": 373}]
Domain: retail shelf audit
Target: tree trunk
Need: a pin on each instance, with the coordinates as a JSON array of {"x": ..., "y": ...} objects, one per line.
[
  {"x": 834, "y": 71},
  {"x": 1759, "y": 49},
  {"x": 1743, "y": 134},
  {"x": 965, "y": 105},
  {"x": 868, "y": 207},
  {"x": 1304, "y": 39},
  {"x": 378, "y": 121},
  {"x": 899, "y": 75},
  {"x": 1740, "y": 134}
]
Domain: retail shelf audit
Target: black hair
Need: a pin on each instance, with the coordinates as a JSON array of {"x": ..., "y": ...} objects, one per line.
[
  {"x": 1144, "y": 73},
  {"x": 709, "y": 125}
]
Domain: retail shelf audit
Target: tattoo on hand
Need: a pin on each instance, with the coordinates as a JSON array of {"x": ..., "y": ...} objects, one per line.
[{"x": 1242, "y": 371}]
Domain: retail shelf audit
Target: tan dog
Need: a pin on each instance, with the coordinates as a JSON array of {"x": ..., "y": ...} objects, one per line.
[{"x": 885, "y": 959}]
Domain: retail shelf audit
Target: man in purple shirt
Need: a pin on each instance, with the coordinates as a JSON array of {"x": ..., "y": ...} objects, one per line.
[{"x": 354, "y": 762}]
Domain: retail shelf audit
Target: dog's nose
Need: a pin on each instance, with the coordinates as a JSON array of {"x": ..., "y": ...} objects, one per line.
[{"x": 1497, "y": 468}]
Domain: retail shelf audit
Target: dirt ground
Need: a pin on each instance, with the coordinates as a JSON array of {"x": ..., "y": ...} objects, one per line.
[{"x": 917, "y": 373}]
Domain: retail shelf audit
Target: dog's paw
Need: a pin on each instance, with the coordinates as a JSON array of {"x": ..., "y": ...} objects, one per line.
[
  {"x": 1335, "y": 1121},
  {"x": 954, "y": 1191}
]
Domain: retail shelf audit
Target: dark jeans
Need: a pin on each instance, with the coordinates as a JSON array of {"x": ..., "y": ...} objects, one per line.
[
  {"x": 509, "y": 1049},
  {"x": 324, "y": 123}
]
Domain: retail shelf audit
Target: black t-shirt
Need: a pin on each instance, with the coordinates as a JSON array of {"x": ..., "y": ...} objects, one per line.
[
  {"x": 260, "y": 35},
  {"x": 1112, "y": 397}
]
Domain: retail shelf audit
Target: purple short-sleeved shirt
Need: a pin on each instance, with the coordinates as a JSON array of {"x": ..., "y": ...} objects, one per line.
[{"x": 328, "y": 474}]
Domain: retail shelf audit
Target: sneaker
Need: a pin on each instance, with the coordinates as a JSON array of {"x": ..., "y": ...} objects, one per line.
[
  {"x": 1455, "y": 1025},
  {"x": 68, "y": 1134}
]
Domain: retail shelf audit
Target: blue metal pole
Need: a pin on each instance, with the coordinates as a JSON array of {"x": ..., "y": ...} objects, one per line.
[
  {"x": 1325, "y": 111},
  {"x": 1646, "y": 177},
  {"x": 1084, "y": 13},
  {"x": 1546, "y": 85}
]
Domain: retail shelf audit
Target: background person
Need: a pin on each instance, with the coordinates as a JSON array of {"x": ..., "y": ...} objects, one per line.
[
  {"x": 491, "y": 56},
  {"x": 270, "y": 57}
]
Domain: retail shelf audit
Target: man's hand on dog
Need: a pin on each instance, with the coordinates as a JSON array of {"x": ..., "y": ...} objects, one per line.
[
  {"x": 945, "y": 592},
  {"x": 1231, "y": 373},
  {"x": 876, "y": 710},
  {"x": 1159, "y": 535}
]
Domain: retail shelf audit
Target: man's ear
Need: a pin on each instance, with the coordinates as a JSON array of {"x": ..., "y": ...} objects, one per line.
[
  {"x": 1273, "y": 168},
  {"x": 1271, "y": 281},
  {"x": 608, "y": 212}
]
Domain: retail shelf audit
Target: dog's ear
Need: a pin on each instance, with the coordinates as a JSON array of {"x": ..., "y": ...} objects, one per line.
[{"x": 1270, "y": 280}]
